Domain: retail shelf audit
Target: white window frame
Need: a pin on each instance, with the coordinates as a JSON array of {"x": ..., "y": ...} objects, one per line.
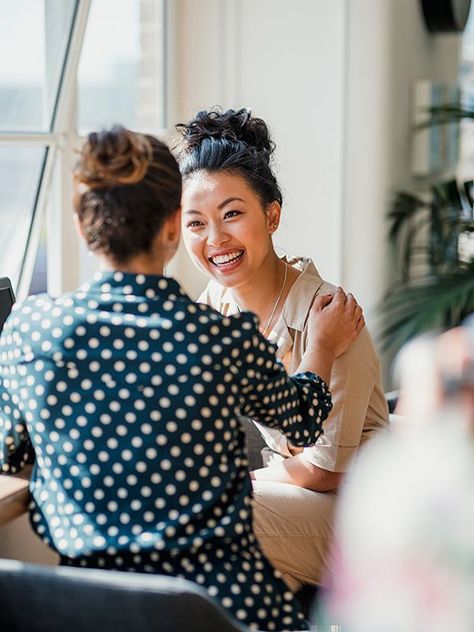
[
  {"x": 57, "y": 143},
  {"x": 54, "y": 193}
]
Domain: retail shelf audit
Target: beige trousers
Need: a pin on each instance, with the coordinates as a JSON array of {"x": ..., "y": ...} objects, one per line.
[{"x": 295, "y": 528}]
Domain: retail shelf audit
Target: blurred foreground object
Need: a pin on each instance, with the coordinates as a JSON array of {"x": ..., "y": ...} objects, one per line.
[{"x": 405, "y": 560}]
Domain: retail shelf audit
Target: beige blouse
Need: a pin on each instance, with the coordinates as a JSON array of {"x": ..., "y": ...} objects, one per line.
[{"x": 359, "y": 406}]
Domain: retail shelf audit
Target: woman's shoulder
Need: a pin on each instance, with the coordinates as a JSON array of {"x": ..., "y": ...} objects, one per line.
[
  {"x": 24, "y": 309},
  {"x": 309, "y": 281},
  {"x": 307, "y": 285}
]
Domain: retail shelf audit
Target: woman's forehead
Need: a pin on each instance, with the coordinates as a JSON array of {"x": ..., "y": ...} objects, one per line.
[{"x": 215, "y": 187}]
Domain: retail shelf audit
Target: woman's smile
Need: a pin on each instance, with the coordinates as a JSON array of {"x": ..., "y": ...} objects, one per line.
[{"x": 228, "y": 261}]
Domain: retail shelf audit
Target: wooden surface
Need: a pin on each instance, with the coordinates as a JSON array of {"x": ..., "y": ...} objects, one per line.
[{"x": 14, "y": 495}]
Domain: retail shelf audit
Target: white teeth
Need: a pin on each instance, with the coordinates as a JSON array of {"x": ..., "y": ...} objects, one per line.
[{"x": 230, "y": 256}]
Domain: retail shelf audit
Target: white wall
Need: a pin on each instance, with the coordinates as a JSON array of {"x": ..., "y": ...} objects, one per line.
[
  {"x": 284, "y": 60},
  {"x": 389, "y": 48}
]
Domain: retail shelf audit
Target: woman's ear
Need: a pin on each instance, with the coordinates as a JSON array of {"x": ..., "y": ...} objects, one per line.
[
  {"x": 172, "y": 230},
  {"x": 273, "y": 216},
  {"x": 78, "y": 226}
]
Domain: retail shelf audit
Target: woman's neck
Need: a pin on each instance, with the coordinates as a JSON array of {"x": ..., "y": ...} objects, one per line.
[
  {"x": 140, "y": 264},
  {"x": 265, "y": 293}
]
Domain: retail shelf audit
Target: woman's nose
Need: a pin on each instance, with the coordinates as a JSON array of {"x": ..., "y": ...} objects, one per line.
[{"x": 217, "y": 235}]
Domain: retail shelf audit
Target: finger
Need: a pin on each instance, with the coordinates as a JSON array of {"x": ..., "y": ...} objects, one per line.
[
  {"x": 321, "y": 301},
  {"x": 340, "y": 295},
  {"x": 351, "y": 302},
  {"x": 357, "y": 313},
  {"x": 360, "y": 324}
]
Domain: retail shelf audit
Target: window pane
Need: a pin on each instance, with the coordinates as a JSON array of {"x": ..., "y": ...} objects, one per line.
[
  {"x": 121, "y": 68},
  {"x": 20, "y": 170},
  {"x": 39, "y": 283},
  {"x": 33, "y": 41},
  {"x": 467, "y": 88}
]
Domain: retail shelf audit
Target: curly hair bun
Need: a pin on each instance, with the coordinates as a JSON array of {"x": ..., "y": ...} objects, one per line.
[
  {"x": 115, "y": 157},
  {"x": 232, "y": 125}
]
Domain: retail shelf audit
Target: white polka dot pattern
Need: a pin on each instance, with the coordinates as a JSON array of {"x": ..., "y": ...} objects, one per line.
[{"x": 127, "y": 395}]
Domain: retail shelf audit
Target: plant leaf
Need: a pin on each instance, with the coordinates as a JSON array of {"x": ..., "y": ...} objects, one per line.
[{"x": 440, "y": 300}]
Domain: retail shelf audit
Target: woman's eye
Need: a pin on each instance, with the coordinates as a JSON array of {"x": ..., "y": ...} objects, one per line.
[
  {"x": 194, "y": 224},
  {"x": 230, "y": 214}
]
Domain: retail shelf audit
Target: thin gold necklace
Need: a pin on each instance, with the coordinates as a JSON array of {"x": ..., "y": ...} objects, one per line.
[{"x": 264, "y": 330}]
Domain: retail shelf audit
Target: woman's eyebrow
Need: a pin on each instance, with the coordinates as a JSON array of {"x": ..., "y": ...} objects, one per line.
[
  {"x": 228, "y": 200},
  {"x": 220, "y": 206}
]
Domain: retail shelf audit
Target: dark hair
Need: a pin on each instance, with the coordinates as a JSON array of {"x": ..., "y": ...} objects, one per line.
[
  {"x": 126, "y": 186},
  {"x": 230, "y": 141}
]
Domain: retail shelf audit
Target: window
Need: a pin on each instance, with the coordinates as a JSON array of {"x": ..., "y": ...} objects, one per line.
[
  {"x": 35, "y": 38},
  {"x": 120, "y": 76},
  {"x": 73, "y": 66},
  {"x": 20, "y": 174}
]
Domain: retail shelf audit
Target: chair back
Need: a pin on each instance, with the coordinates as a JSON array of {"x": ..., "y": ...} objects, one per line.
[{"x": 36, "y": 598}]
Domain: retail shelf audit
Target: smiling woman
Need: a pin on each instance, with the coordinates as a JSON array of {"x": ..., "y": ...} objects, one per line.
[{"x": 231, "y": 208}]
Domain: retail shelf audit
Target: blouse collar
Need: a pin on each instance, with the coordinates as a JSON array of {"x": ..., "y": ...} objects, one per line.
[
  {"x": 301, "y": 295},
  {"x": 297, "y": 305},
  {"x": 130, "y": 284}
]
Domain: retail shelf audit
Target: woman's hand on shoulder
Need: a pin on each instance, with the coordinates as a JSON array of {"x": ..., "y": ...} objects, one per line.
[{"x": 334, "y": 322}]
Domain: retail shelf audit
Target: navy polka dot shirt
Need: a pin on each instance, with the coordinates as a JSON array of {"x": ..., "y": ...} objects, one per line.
[{"x": 126, "y": 395}]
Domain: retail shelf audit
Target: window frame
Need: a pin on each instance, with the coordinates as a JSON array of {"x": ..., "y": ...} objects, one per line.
[
  {"x": 56, "y": 142},
  {"x": 52, "y": 204}
]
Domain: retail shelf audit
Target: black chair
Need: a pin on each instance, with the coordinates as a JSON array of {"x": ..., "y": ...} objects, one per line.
[
  {"x": 35, "y": 598},
  {"x": 392, "y": 400}
]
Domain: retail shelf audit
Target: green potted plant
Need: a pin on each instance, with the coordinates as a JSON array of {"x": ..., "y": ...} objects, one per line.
[{"x": 433, "y": 238}]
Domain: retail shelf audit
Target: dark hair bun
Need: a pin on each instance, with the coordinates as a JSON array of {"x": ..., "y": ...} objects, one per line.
[
  {"x": 232, "y": 141},
  {"x": 114, "y": 157},
  {"x": 232, "y": 125}
]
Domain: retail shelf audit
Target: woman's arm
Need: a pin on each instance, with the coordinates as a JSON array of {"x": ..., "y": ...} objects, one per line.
[
  {"x": 15, "y": 446},
  {"x": 357, "y": 398},
  {"x": 334, "y": 322},
  {"x": 299, "y": 404},
  {"x": 296, "y": 470}
]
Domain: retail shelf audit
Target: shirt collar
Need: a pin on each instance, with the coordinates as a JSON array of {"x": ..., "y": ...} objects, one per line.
[
  {"x": 128, "y": 284},
  {"x": 301, "y": 295},
  {"x": 296, "y": 307},
  {"x": 298, "y": 302}
]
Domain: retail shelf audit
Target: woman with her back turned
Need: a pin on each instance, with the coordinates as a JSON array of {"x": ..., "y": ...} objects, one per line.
[{"x": 125, "y": 394}]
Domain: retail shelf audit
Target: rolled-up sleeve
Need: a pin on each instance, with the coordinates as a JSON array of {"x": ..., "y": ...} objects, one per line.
[
  {"x": 354, "y": 378},
  {"x": 295, "y": 405}
]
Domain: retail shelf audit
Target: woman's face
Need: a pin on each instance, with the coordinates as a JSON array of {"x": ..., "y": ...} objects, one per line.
[{"x": 225, "y": 228}]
